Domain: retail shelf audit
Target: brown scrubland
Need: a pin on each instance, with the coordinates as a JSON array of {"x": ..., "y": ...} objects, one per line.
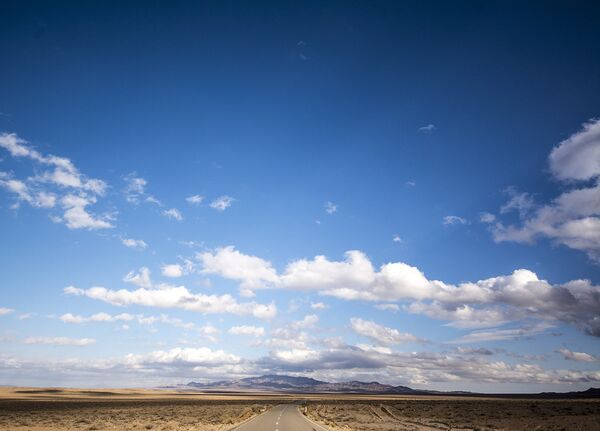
[{"x": 53, "y": 409}]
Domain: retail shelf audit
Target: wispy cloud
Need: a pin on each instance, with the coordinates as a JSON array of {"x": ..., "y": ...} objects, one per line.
[
  {"x": 577, "y": 356},
  {"x": 134, "y": 243},
  {"x": 253, "y": 331},
  {"x": 330, "y": 207},
  {"x": 4, "y": 311},
  {"x": 194, "y": 199},
  {"x": 429, "y": 128},
  {"x": 454, "y": 220},
  {"x": 173, "y": 214},
  {"x": 60, "y": 341},
  {"x": 222, "y": 203}
]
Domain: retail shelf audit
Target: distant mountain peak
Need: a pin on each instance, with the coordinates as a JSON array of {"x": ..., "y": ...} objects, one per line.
[{"x": 282, "y": 382}]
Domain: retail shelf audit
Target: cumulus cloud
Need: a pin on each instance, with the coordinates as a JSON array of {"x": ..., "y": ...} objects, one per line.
[
  {"x": 577, "y": 356},
  {"x": 76, "y": 215},
  {"x": 57, "y": 181},
  {"x": 337, "y": 361},
  {"x": 318, "y": 306},
  {"x": 253, "y": 272},
  {"x": 194, "y": 199},
  {"x": 188, "y": 357},
  {"x": 573, "y": 218},
  {"x": 173, "y": 213},
  {"x": 396, "y": 238},
  {"x": 578, "y": 156},
  {"x": 484, "y": 303},
  {"x": 381, "y": 334},
  {"x": 134, "y": 243},
  {"x": 222, "y": 203},
  {"x": 4, "y": 311},
  {"x": 60, "y": 341},
  {"x": 176, "y": 297},
  {"x": 253, "y": 331}
]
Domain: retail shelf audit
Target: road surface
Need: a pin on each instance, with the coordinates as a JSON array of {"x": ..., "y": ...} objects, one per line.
[{"x": 284, "y": 417}]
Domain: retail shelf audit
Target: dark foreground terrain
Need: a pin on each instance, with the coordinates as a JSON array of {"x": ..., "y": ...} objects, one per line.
[{"x": 27, "y": 409}]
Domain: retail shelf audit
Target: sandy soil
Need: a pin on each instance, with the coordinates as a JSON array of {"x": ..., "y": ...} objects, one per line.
[
  {"x": 53, "y": 409},
  {"x": 28, "y": 409},
  {"x": 456, "y": 414}
]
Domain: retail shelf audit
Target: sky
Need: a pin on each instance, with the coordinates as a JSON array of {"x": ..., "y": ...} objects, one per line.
[{"x": 406, "y": 192}]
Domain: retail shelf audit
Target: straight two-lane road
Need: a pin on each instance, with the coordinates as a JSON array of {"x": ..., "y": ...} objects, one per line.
[{"x": 284, "y": 417}]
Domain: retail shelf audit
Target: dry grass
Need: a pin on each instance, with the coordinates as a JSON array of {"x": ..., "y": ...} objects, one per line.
[
  {"x": 59, "y": 409},
  {"x": 35, "y": 409},
  {"x": 456, "y": 414}
]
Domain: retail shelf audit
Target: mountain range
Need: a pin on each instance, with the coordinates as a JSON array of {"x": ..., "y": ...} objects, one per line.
[
  {"x": 298, "y": 384},
  {"x": 283, "y": 383}
]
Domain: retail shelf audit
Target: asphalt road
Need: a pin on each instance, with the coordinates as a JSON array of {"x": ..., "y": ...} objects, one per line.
[{"x": 284, "y": 417}]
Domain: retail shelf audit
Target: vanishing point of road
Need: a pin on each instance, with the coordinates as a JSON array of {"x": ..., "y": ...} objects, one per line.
[{"x": 284, "y": 417}]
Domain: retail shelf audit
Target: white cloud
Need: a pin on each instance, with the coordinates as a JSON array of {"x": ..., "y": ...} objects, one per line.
[
  {"x": 381, "y": 334},
  {"x": 60, "y": 341},
  {"x": 63, "y": 183},
  {"x": 77, "y": 217},
  {"x": 318, "y": 306},
  {"x": 577, "y": 356},
  {"x": 173, "y": 213},
  {"x": 463, "y": 316},
  {"x": 134, "y": 243},
  {"x": 452, "y": 219},
  {"x": 254, "y": 331},
  {"x": 194, "y": 199},
  {"x": 521, "y": 202},
  {"x": 309, "y": 321},
  {"x": 502, "y": 334},
  {"x": 430, "y": 128},
  {"x": 135, "y": 190},
  {"x": 330, "y": 207},
  {"x": 486, "y": 217},
  {"x": 4, "y": 311},
  {"x": 388, "y": 307},
  {"x": 578, "y": 157},
  {"x": 98, "y": 317},
  {"x": 173, "y": 270},
  {"x": 253, "y": 272},
  {"x": 195, "y": 357},
  {"x": 176, "y": 297},
  {"x": 573, "y": 218},
  {"x": 396, "y": 238},
  {"x": 222, "y": 203},
  {"x": 488, "y": 302},
  {"x": 141, "y": 278}
]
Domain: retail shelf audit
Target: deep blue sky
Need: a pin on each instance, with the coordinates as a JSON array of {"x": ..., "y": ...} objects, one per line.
[{"x": 400, "y": 114}]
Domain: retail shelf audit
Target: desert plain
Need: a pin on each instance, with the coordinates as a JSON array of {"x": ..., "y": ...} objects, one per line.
[{"x": 53, "y": 409}]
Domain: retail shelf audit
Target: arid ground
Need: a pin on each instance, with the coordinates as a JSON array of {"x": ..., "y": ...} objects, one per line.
[{"x": 35, "y": 409}]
